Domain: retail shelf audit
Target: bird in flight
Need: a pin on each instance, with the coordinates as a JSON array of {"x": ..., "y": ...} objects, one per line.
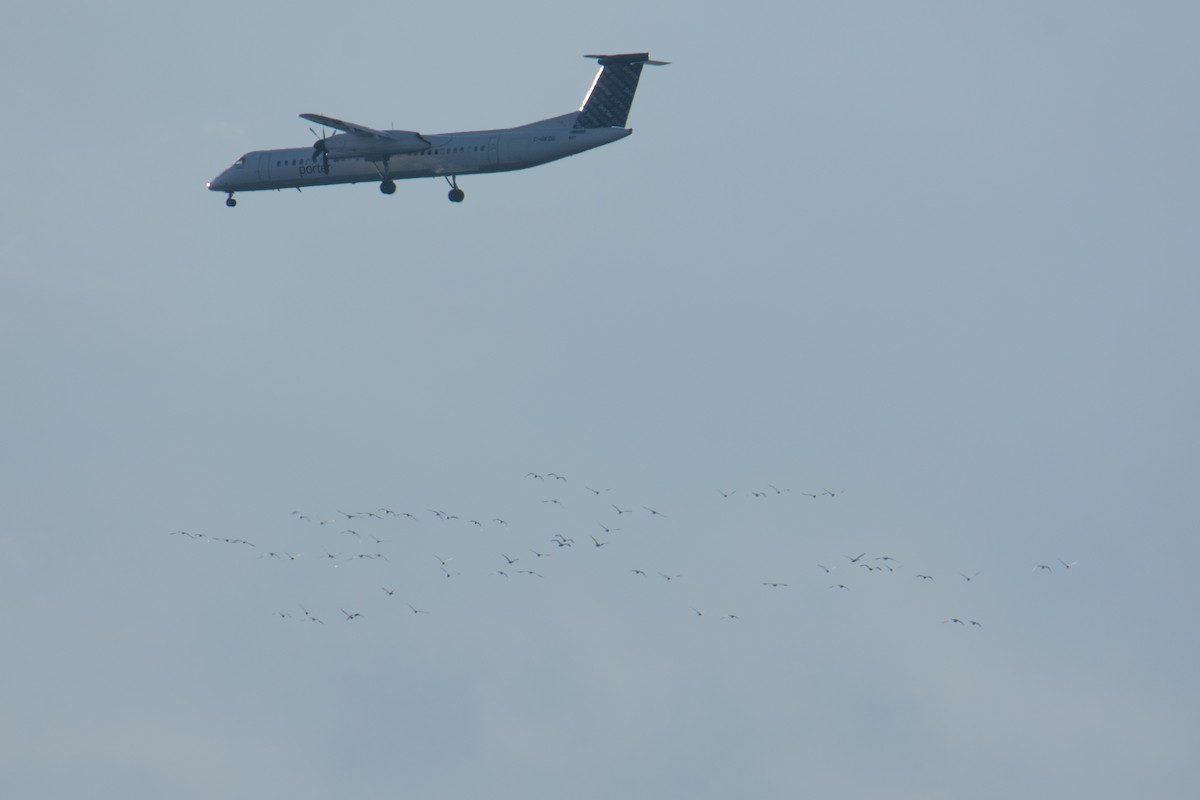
[
  {"x": 854, "y": 559},
  {"x": 597, "y": 542}
]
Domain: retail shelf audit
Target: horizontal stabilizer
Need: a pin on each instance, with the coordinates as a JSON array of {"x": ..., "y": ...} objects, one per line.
[{"x": 628, "y": 58}]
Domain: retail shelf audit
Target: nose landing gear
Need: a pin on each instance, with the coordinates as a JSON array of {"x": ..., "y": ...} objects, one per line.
[{"x": 229, "y": 201}]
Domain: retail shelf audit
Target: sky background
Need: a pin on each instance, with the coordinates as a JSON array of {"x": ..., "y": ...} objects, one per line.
[{"x": 932, "y": 262}]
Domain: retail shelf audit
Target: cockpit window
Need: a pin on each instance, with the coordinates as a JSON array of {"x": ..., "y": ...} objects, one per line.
[{"x": 241, "y": 162}]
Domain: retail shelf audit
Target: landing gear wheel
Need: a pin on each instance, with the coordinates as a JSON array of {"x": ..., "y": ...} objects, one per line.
[
  {"x": 388, "y": 187},
  {"x": 229, "y": 201}
]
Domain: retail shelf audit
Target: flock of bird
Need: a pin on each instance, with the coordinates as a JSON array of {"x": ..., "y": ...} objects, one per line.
[{"x": 520, "y": 547}]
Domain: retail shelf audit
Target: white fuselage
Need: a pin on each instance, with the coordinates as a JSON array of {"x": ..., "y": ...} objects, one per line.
[{"x": 448, "y": 154}]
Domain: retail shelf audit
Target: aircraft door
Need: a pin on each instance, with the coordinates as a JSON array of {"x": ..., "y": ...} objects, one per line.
[
  {"x": 493, "y": 147},
  {"x": 264, "y": 168}
]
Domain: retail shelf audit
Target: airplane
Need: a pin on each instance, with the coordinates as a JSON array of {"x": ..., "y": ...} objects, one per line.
[{"x": 359, "y": 153}]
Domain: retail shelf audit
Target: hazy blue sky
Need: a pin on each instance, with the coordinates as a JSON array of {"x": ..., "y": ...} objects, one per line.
[{"x": 933, "y": 262}]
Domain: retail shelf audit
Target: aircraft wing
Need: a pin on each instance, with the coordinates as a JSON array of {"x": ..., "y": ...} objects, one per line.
[{"x": 411, "y": 138}]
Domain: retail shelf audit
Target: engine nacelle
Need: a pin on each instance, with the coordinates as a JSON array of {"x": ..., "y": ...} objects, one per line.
[{"x": 348, "y": 145}]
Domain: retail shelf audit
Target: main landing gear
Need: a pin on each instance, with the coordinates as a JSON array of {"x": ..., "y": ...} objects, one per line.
[
  {"x": 456, "y": 194},
  {"x": 229, "y": 201},
  {"x": 386, "y": 184}
]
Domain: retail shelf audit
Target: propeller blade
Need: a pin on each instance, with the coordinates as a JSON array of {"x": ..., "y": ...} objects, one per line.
[{"x": 320, "y": 148}]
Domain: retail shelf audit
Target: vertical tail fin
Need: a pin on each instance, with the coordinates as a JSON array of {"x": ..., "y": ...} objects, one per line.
[{"x": 608, "y": 101}]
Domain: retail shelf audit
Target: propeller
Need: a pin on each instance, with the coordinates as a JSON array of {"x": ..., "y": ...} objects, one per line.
[{"x": 320, "y": 149}]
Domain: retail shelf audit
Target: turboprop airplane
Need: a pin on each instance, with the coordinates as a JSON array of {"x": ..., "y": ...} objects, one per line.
[{"x": 360, "y": 153}]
